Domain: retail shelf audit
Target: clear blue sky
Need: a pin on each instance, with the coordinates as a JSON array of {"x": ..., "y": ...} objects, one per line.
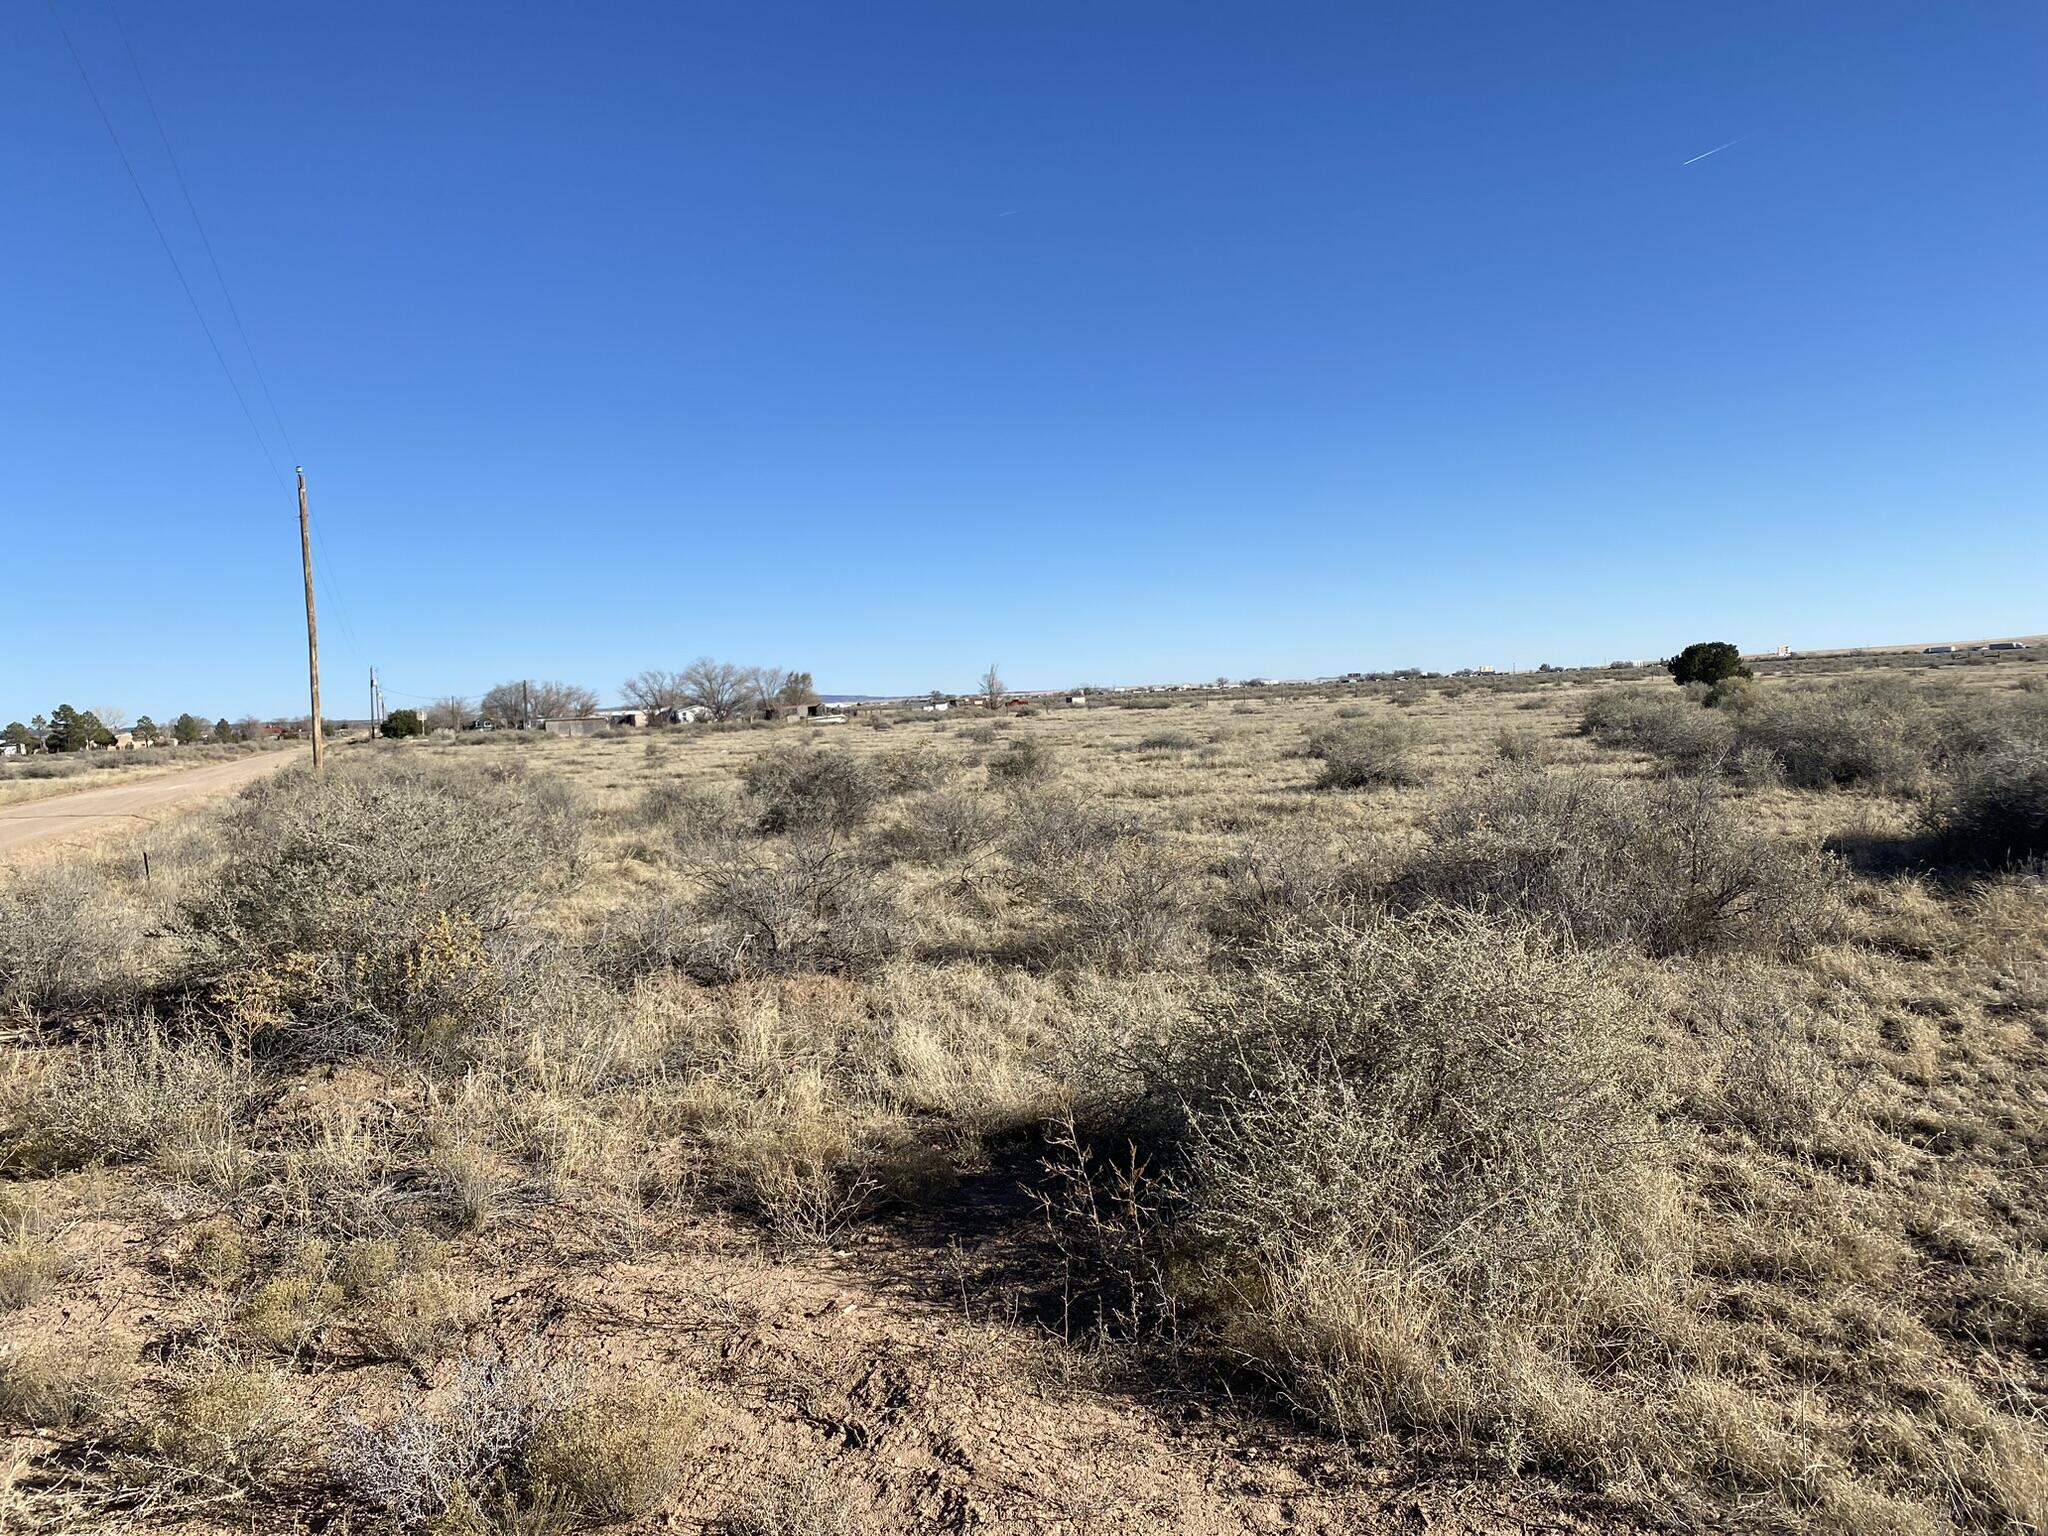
[{"x": 1112, "y": 341}]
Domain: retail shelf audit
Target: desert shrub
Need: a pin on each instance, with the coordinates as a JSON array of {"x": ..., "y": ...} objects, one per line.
[
  {"x": 1869, "y": 732},
  {"x": 1521, "y": 747},
  {"x": 1169, "y": 741},
  {"x": 226, "y": 1424},
  {"x": 809, "y": 907},
  {"x": 907, "y": 770},
  {"x": 1666, "y": 866},
  {"x": 62, "y": 1384},
  {"x": 1666, "y": 724},
  {"x": 379, "y": 900},
  {"x": 1128, "y": 905},
  {"x": 1048, "y": 829},
  {"x": 67, "y": 944},
  {"x": 1367, "y": 754},
  {"x": 135, "y": 1092},
  {"x": 461, "y": 1465},
  {"x": 810, "y": 791},
  {"x": 1994, "y": 808},
  {"x": 1028, "y": 760},
  {"x": 1410, "y": 1159},
  {"x": 617, "y": 1455},
  {"x": 944, "y": 826},
  {"x": 1290, "y": 871},
  {"x": 691, "y": 815}
]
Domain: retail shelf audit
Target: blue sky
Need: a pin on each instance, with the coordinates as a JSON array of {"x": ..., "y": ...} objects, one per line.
[{"x": 1111, "y": 341}]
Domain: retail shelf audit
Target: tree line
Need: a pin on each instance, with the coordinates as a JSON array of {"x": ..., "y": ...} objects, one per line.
[
  {"x": 66, "y": 729},
  {"x": 720, "y": 690}
]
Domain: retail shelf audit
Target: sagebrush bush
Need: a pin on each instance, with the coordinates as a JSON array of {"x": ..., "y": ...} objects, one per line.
[
  {"x": 1127, "y": 906},
  {"x": 1873, "y": 732},
  {"x": 379, "y": 899},
  {"x": 1993, "y": 810},
  {"x": 811, "y": 791},
  {"x": 1028, "y": 760},
  {"x": 1409, "y": 1158},
  {"x": 1367, "y": 754},
  {"x": 451, "y": 1466},
  {"x": 1668, "y": 866},
  {"x": 226, "y": 1423},
  {"x": 1291, "y": 871},
  {"x": 945, "y": 826},
  {"x": 1664, "y": 723},
  {"x": 812, "y": 906}
]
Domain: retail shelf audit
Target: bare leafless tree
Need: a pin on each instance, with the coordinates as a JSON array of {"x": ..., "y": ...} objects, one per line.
[
  {"x": 451, "y": 713},
  {"x": 562, "y": 701},
  {"x": 655, "y": 690},
  {"x": 721, "y": 688},
  {"x": 115, "y": 720},
  {"x": 992, "y": 690}
]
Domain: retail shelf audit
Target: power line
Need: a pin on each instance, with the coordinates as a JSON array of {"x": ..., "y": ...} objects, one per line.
[
  {"x": 156, "y": 224},
  {"x": 191, "y": 207},
  {"x": 326, "y": 560}
]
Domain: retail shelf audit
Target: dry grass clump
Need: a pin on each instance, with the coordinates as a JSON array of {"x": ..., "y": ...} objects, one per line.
[
  {"x": 136, "y": 1091},
  {"x": 30, "y": 1261},
  {"x": 1668, "y": 866},
  {"x": 380, "y": 901},
  {"x": 1367, "y": 754},
  {"x": 618, "y": 1455},
  {"x": 61, "y": 1384},
  {"x": 1419, "y": 1175},
  {"x": 67, "y": 944}
]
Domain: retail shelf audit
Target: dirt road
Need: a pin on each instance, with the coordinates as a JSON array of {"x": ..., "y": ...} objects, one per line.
[{"x": 41, "y": 824}]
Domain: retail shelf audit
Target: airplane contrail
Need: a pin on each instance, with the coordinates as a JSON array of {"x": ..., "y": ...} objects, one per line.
[{"x": 1695, "y": 160}]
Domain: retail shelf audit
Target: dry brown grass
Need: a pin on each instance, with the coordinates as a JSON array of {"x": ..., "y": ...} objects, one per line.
[{"x": 1523, "y": 1111}]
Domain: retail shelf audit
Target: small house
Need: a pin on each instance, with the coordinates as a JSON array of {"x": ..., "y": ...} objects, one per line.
[{"x": 576, "y": 725}]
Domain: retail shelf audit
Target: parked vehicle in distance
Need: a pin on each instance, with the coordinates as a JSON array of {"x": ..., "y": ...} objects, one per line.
[
  {"x": 1937, "y": 650},
  {"x": 2007, "y": 645}
]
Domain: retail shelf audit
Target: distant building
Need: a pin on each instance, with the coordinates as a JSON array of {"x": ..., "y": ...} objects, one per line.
[{"x": 576, "y": 725}]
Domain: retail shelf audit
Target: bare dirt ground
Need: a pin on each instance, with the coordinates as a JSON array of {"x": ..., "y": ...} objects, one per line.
[{"x": 68, "y": 818}]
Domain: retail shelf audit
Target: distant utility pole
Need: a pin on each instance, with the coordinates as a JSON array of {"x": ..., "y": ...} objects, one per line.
[
  {"x": 376, "y": 702},
  {"x": 312, "y": 626}
]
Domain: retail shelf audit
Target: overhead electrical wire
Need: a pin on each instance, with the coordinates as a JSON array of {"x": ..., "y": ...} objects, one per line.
[
  {"x": 325, "y": 562},
  {"x": 191, "y": 207},
  {"x": 162, "y": 239}
]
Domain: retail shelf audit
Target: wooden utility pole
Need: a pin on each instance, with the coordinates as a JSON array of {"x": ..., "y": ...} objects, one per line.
[{"x": 312, "y": 627}]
